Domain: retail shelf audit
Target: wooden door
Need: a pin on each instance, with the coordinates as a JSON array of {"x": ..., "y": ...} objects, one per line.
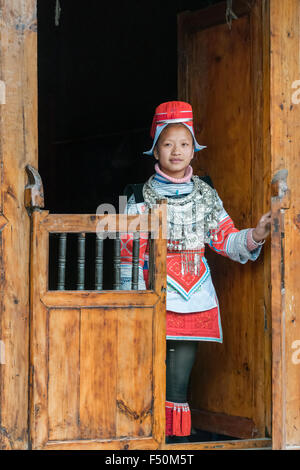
[
  {"x": 18, "y": 147},
  {"x": 97, "y": 371},
  {"x": 223, "y": 73},
  {"x": 285, "y": 151}
]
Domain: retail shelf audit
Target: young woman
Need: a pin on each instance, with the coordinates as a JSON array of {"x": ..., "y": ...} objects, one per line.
[{"x": 195, "y": 217}]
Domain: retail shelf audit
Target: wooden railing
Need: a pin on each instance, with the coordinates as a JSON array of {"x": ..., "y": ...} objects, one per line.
[
  {"x": 58, "y": 257},
  {"x": 61, "y": 227}
]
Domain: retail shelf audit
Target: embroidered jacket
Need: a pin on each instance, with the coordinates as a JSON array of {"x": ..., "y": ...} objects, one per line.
[{"x": 189, "y": 292}]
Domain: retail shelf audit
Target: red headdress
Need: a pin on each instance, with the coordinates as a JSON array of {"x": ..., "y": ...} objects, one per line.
[{"x": 172, "y": 112}]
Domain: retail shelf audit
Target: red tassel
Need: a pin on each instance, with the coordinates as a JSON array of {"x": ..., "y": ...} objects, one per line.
[
  {"x": 169, "y": 421},
  {"x": 178, "y": 419},
  {"x": 186, "y": 422}
]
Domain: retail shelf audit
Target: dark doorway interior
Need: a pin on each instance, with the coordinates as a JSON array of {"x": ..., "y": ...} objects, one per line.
[{"x": 103, "y": 67}]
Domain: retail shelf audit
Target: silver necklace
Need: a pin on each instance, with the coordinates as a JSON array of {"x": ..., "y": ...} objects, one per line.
[{"x": 191, "y": 219}]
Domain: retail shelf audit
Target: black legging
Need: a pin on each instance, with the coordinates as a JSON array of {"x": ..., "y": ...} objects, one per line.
[{"x": 180, "y": 360}]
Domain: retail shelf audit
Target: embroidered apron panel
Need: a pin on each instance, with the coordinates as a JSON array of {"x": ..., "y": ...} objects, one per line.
[{"x": 185, "y": 283}]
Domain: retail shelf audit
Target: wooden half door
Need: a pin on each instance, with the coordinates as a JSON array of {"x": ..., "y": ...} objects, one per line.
[
  {"x": 223, "y": 73},
  {"x": 97, "y": 358}
]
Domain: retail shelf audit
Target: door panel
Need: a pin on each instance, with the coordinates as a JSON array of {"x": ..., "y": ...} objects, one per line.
[
  {"x": 221, "y": 74},
  {"x": 64, "y": 374},
  {"x": 97, "y": 357}
]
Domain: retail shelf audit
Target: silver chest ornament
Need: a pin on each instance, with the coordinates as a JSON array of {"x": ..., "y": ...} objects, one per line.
[{"x": 191, "y": 221}]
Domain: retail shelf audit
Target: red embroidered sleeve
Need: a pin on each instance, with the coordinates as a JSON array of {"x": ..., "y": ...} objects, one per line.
[{"x": 221, "y": 236}]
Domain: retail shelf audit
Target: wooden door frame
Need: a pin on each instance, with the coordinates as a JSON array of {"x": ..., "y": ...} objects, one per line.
[
  {"x": 19, "y": 143},
  {"x": 18, "y": 147}
]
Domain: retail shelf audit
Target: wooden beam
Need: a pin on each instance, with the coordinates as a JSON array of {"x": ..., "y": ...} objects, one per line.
[
  {"x": 227, "y": 425},
  {"x": 245, "y": 444},
  {"x": 18, "y": 147}
]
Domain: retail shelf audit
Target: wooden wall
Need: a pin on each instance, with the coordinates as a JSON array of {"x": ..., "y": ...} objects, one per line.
[{"x": 18, "y": 147}]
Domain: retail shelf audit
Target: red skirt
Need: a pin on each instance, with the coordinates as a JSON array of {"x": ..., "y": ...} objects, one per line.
[{"x": 197, "y": 326}]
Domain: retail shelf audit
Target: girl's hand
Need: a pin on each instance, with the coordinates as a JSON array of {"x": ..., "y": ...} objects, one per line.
[{"x": 263, "y": 228}]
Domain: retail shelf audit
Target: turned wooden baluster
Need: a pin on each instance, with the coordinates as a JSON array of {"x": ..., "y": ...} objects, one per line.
[
  {"x": 81, "y": 261},
  {"x": 99, "y": 263},
  {"x": 62, "y": 250},
  {"x": 135, "y": 261}
]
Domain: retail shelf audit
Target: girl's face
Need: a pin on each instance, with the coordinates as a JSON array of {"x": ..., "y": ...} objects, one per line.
[{"x": 174, "y": 150}]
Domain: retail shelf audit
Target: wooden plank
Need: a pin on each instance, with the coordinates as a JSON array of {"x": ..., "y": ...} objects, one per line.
[
  {"x": 98, "y": 299},
  {"x": 261, "y": 181},
  {"x": 246, "y": 444},
  {"x": 91, "y": 223},
  {"x": 18, "y": 146},
  {"x": 38, "y": 424},
  {"x": 278, "y": 378},
  {"x": 64, "y": 374},
  {"x": 151, "y": 444},
  {"x": 122, "y": 444},
  {"x": 285, "y": 127},
  {"x": 98, "y": 373},
  {"x": 266, "y": 151},
  {"x": 159, "y": 371},
  {"x": 158, "y": 280},
  {"x": 135, "y": 373},
  {"x": 220, "y": 423}
]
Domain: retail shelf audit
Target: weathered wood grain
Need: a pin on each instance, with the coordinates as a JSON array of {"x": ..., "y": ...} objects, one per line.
[
  {"x": 158, "y": 250},
  {"x": 98, "y": 373},
  {"x": 64, "y": 374},
  {"x": 18, "y": 147},
  {"x": 38, "y": 366},
  {"x": 103, "y": 298},
  {"x": 135, "y": 373},
  {"x": 244, "y": 444},
  {"x": 98, "y": 223},
  {"x": 94, "y": 444},
  {"x": 285, "y": 127}
]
